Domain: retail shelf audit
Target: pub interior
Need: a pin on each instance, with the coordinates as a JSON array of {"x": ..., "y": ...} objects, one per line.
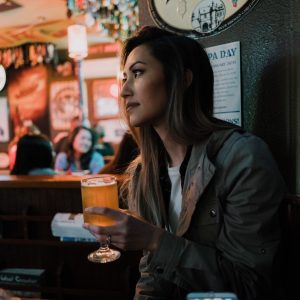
[{"x": 46, "y": 85}]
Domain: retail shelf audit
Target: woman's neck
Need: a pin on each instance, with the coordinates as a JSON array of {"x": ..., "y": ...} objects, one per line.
[{"x": 176, "y": 152}]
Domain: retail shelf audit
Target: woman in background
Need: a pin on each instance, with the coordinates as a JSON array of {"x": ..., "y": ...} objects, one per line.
[
  {"x": 103, "y": 147},
  {"x": 34, "y": 156},
  {"x": 26, "y": 127},
  {"x": 79, "y": 154}
]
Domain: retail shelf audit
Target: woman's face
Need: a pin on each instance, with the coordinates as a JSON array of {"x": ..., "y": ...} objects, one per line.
[
  {"x": 144, "y": 89},
  {"x": 83, "y": 141}
]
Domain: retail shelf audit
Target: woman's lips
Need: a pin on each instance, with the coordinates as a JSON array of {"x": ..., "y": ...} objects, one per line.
[{"x": 131, "y": 105}]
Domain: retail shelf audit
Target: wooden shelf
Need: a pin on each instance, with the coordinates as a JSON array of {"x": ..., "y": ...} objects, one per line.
[{"x": 106, "y": 294}]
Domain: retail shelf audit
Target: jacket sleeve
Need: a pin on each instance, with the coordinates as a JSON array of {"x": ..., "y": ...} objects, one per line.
[
  {"x": 250, "y": 188},
  {"x": 152, "y": 286}
]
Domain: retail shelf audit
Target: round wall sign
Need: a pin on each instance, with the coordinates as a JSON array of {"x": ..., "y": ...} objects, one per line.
[
  {"x": 198, "y": 18},
  {"x": 2, "y": 77}
]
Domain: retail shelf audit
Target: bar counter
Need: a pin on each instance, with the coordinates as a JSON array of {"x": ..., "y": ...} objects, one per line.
[
  {"x": 27, "y": 206},
  {"x": 56, "y": 181}
]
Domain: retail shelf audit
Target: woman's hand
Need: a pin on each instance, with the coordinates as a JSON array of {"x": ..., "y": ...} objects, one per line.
[{"x": 130, "y": 232}]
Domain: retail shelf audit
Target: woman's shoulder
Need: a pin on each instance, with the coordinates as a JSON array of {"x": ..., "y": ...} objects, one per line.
[
  {"x": 234, "y": 137},
  {"x": 96, "y": 155},
  {"x": 245, "y": 148},
  {"x": 61, "y": 161},
  {"x": 246, "y": 141},
  {"x": 235, "y": 143},
  {"x": 96, "y": 162},
  {"x": 61, "y": 155}
]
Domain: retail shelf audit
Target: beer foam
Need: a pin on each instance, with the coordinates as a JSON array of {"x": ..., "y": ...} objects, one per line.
[{"x": 98, "y": 181}]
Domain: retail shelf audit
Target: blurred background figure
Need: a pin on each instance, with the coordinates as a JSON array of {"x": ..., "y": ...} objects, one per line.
[
  {"x": 25, "y": 127},
  {"x": 103, "y": 147},
  {"x": 79, "y": 155},
  {"x": 34, "y": 156},
  {"x": 5, "y": 295},
  {"x": 127, "y": 151},
  {"x": 61, "y": 138}
]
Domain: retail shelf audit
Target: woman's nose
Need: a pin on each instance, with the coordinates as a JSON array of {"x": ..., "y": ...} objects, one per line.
[{"x": 126, "y": 89}]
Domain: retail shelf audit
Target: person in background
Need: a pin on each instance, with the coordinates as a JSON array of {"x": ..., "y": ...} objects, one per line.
[
  {"x": 203, "y": 195},
  {"x": 34, "y": 156},
  {"x": 6, "y": 295},
  {"x": 61, "y": 138},
  {"x": 25, "y": 127},
  {"x": 103, "y": 147},
  {"x": 127, "y": 151},
  {"x": 79, "y": 154}
]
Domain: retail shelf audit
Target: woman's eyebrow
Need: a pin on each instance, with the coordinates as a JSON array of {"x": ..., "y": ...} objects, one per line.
[
  {"x": 137, "y": 62},
  {"x": 132, "y": 66}
]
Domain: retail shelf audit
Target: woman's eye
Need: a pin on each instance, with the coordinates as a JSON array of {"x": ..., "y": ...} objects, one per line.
[{"x": 137, "y": 73}]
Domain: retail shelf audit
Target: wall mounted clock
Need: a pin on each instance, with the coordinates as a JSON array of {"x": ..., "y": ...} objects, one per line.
[{"x": 198, "y": 18}]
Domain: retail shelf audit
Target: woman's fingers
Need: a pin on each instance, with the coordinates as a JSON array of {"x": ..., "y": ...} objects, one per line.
[
  {"x": 101, "y": 230},
  {"x": 129, "y": 231},
  {"x": 107, "y": 211}
]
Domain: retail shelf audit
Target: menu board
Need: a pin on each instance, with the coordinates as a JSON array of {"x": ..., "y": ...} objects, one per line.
[{"x": 225, "y": 61}]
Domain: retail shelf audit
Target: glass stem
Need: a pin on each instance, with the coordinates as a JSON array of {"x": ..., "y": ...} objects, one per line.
[{"x": 104, "y": 246}]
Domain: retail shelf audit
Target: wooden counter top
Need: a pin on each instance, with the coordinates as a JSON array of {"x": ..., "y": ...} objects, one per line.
[{"x": 56, "y": 181}]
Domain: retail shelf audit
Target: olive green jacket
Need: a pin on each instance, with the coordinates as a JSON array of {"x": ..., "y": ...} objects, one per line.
[{"x": 228, "y": 231}]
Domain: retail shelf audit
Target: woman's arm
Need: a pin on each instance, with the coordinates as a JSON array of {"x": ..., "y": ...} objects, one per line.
[
  {"x": 243, "y": 255},
  {"x": 96, "y": 163},
  {"x": 61, "y": 163},
  {"x": 240, "y": 260}
]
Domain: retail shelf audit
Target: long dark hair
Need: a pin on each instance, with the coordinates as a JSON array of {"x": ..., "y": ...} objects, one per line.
[
  {"x": 85, "y": 158},
  {"x": 189, "y": 112},
  {"x": 33, "y": 151},
  {"x": 127, "y": 151}
]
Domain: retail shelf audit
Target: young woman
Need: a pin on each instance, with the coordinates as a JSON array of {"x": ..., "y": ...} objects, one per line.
[
  {"x": 208, "y": 192},
  {"x": 79, "y": 154}
]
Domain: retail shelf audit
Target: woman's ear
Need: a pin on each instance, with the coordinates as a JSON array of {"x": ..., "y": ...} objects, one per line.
[{"x": 188, "y": 78}]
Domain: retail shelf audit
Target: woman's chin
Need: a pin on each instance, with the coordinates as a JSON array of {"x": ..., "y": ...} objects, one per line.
[
  {"x": 83, "y": 151},
  {"x": 134, "y": 122}
]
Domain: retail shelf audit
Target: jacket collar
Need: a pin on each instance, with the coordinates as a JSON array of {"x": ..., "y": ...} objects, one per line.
[{"x": 200, "y": 171}]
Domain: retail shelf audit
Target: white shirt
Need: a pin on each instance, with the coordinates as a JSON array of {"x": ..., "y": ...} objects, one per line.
[{"x": 175, "y": 198}]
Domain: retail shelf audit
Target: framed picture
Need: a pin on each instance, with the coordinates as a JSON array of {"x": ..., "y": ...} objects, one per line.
[
  {"x": 103, "y": 95},
  {"x": 64, "y": 103},
  {"x": 27, "y": 96}
]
